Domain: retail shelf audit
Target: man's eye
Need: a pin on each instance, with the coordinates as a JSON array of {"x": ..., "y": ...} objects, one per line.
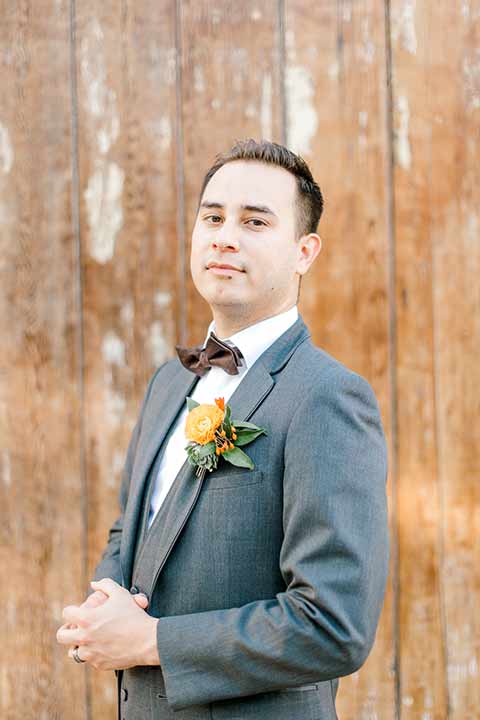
[
  {"x": 256, "y": 220},
  {"x": 209, "y": 217}
]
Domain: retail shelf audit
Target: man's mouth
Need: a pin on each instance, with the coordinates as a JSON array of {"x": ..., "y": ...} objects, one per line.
[{"x": 222, "y": 269}]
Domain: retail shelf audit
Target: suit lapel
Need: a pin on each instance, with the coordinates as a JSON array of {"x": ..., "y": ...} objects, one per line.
[
  {"x": 156, "y": 428},
  {"x": 249, "y": 394}
]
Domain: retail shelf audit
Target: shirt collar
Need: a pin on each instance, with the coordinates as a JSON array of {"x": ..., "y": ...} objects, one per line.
[{"x": 253, "y": 340}]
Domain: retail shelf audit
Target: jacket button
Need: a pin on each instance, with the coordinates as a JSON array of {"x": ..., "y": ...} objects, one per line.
[
  {"x": 124, "y": 694},
  {"x": 134, "y": 590}
]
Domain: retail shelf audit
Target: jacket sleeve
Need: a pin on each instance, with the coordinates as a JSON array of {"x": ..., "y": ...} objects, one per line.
[
  {"x": 109, "y": 565},
  {"x": 334, "y": 560}
]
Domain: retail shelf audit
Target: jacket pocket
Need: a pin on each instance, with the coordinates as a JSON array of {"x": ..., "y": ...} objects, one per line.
[{"x": 235, "y": 479}]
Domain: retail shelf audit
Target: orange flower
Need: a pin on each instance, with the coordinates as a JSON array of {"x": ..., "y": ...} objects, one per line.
[
  {"x": 220, "y": 402},
  {"x": 202, "y": 422}
]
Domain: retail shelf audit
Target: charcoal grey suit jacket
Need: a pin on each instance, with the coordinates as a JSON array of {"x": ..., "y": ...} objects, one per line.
[{"x": 269, "y": 582}]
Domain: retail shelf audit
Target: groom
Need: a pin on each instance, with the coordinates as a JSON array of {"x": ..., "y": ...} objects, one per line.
[{"x": 246, "y": 593}]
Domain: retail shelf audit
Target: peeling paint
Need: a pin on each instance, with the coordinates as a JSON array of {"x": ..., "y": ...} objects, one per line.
[
  {"x": 403, "y": 26},
  {"x": 118, "y": 461},
  {"x": 114, "y": 404},
  {"x": 471, "y": 76},
  {"x": 302, "y": 116},
  {"x": 198, "y": 79},
  {"x": 113, "y": 349},
  {"x": 6, "y": 469},
  {"x": 106, "y": 136},
  {"x": 164, "y": 133},
  {"x": 163, "y": 298},
  {"x": 6, "y": 150},
  {"x": 402, "y": 142},
  {"x": 126, "y": 312},
  {"x": 104, "y": 210},
  {"x": 290, "y": 44},
  {"x": 468, "y": 12},
  {"x": 158, "y": 346},
  {"x": 362, "y": 122},
  {"x": 215, "y": 15},
  {"x": 367, "y": 48},
  {"x": 100, "y": 100},
  {"x": 250, "y": 110},
  {"x": 266, "y": 107}
]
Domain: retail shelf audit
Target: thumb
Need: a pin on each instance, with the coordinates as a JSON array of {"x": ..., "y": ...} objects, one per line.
[
  {"x": 141, "y": 600},
  {"x": 107, "y": 585}
]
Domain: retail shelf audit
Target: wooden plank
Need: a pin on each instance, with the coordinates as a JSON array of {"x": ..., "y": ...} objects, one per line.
[
  {"x": 437, "y": 195},
  {"x": 42, "y": 547},
  {"x": 432, "y": 240},
  {"x": 126, "y": 89},
  {"x": 230, "y": 89},
  {"x": 455, "y": 238},
  {"x": 336, "y": 91}
]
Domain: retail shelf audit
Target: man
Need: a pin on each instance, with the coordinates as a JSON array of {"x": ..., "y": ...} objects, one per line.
[{"x": 249, "y": 592}]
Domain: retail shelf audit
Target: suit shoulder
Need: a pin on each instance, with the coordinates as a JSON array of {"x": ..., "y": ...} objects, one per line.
[
  {"x": 321, "y": 369},
  {"x": 166, "y": 371}
]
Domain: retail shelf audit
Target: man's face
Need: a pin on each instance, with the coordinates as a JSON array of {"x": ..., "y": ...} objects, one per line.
[{"x": 247, "y": 219}]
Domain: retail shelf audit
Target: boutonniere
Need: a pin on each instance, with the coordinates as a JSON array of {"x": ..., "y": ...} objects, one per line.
[{"x": 213, "y": 434}]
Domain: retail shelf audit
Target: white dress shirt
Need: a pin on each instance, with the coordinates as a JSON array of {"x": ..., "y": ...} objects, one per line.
[{"x": 252, "y": 341}]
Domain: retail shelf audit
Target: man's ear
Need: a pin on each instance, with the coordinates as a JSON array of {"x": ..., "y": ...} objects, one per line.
[{"x": 310, "y": 246}]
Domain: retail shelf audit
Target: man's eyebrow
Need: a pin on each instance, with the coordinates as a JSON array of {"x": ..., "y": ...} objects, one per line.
[{"x": 251, "y": 208}]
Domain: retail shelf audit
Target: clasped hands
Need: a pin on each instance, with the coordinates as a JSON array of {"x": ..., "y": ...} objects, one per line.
[{"x": 111, "y": 628}]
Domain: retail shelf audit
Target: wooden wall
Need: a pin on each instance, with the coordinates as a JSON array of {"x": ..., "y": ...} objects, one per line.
[{"x": 110, "y": 113}]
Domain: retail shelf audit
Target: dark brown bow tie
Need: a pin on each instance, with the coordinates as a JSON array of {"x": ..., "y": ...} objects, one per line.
[{"x": 218, "y": 353}]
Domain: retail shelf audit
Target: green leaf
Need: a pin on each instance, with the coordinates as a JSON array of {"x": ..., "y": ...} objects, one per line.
[
  {"x": 247, "y": 436},
  {"x": 191, "y": 403},
  {"x": 239, "y": 458},
  {"x": 248, "y": 425},
  {"x": 205, "y": 450}
]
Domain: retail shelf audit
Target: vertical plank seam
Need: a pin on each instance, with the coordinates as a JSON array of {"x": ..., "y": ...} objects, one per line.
[
  {"x": 281, "y": 50},
  {"x": 392, "y": 346},
  {"x": 438, "y": 466},
  {"x": 75, "y": 209},
  {"x": 180, "y": 181}
]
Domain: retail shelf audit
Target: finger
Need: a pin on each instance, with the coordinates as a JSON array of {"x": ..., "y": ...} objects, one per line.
[
  {"x": 95, "y": 599},
  {"x": 141, "y": 600},
  {"x": 66, "y": 636},
  {"x": 69, "y": 626},
  {"x": 108, "y": 586},
  {"x": 75, "y": 614}
]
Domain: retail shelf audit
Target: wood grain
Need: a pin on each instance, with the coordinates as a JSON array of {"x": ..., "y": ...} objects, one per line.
[
  {"x": 110, "y": 115},
  {"x": 42, "y": 547},
  {"x": 336, "y": 89},
  {"x": 436, "y": 121},
  {"x": 230, "y": 83},
  {"x": 126, "y": 75}
]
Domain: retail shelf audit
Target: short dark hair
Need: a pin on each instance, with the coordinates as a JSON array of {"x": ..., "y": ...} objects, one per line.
[{"x": 309, "y": 201}]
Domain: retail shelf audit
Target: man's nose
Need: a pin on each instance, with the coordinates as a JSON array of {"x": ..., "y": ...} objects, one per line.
[{"x": 225, "y": 237}]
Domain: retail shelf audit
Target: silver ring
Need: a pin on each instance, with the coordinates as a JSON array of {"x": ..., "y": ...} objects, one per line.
[{"x": 76, "y": 656}]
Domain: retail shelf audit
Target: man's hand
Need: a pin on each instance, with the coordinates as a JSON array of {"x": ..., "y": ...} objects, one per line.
[
  {"x": 98, "y": 598},
  {"x": 111, "y": 628}
]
